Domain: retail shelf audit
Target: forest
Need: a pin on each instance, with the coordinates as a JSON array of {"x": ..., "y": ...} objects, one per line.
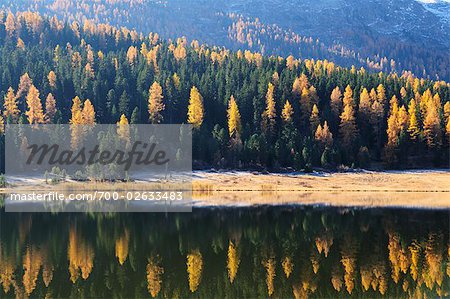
[
  {"x": 248, "y": 110},
  {"x": 229, "y": 24}
]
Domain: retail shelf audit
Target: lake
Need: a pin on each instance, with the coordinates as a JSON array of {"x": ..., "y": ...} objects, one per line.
[{"x": 279, "y": 252}]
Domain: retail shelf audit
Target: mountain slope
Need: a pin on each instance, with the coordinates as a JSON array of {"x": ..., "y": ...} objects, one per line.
[{"x": 377, "y": 34}]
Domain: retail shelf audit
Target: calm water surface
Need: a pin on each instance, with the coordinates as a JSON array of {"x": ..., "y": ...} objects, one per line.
[{"x": 280, "y": 252}]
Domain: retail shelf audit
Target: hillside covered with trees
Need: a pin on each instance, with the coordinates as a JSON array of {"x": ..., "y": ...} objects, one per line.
[
  {"x": 378, "y": 35},
  {"x": 248, "y": 110}
]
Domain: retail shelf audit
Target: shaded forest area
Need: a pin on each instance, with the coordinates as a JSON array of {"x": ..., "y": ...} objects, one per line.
[{"x": 248, "y": 110}]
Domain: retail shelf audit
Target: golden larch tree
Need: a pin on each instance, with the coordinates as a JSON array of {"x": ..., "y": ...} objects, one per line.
[
  {"x": 290, "y": 62},
  {"x": 296, "y": 87},
  {"x": 314, "y": 120},
  {"x": 123, "y": 129},
  {"x": 76, "y": 107},
  {"x": 287, "y": 112},
  {"x": 2, "y": 125},
  {"x": 131, "y": 55},
  {"x": 373, "y": 95},
  {"x": 34, "y": 112},
  {"x": 364, "y": 104},
  {"x": 195, "y": 108},
  {"x": 269, "y": 115},
  {"x": 348, "y": 97},
  {"x": 299, "y": 84},
  {"x": 10, "y": 24},
  {"x": 447, "y": 133},
  {"x": 403, "y": 93},
  {"x": 24, "y": 85},
  {"x": 393, "y": 129},
  {"x": 347, "y": 128},
  {"x": 447, "y": 111},
  {"x": 403, "y": 119},
  {"x": 155, "y": 103},
  {"x": 432, "y": 126},
  {"x": 413, "y": 126},
  {"x": 20, "y": 44},
  {"x": 425, "y": 100},
  {"x": 76, "y": 129},
  {"x": 11, "y": 107},
  {"x": 88, "y": 113},
  {"x": 336, "y": 101},
  {"x": 50, "y": 108},
  {"x": 234, "y": 119},
  {"x": 323, "y": 135},
  {"x": 52, "y": 79},
  {"x": 381, "y": 95}
]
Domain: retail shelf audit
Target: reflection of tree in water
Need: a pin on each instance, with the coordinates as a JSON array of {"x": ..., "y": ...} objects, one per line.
[
  {"x": 349, "y": 248},
  {"x": 288, "y": 266},
  {"x": 270, "y": 266},
  {"x": 233, "y": 261},
  {"x": 7, "y": 267},
  {"x": 448, "y": 259},
  {"x": 337, "y": 278},
  {"x": 433, "y": 273},
  {"x": 32, "y": 262},
  {"x": 194, "y": 269},
  {"x": 291, "y": 253},
  {"x": 154, "y": 275},
  {"x": 324, "y": 243},
  {"x": 80, "y": 255},
  {"x": 122, "y": 244}
]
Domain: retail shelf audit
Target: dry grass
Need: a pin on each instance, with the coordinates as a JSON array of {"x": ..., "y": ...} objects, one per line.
[{"x": 407, "y": 189}]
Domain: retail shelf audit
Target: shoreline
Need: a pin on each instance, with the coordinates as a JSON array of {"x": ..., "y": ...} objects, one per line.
[
  {"x": 416, "y": 189},
  {"x": 419, "y": 189}
]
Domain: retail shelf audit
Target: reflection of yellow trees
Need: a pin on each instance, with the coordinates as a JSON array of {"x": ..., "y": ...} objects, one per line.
[
  {"x": 288, "y": 266},
  {"x": 194, "y": 269},
  {"x": 399, "y": 258},
  {"x": 80, "y": 255},
  {"x": 232, "y": 261},
  {"x": 433, "y": 271},
  {"x": 448, "y": 260},
  {"x": 47, "y": 269},
  {"x": 270, "y": 265},
  {"x": 379, "y": 279},
  {"x": 366, "y": 276},
  {"x": 32, "y": 263},
  {"x": 299, "y": 292},
  {"x": 324, "y": 243},
  {"x": 405, "y": 285},
  {"x": 336, "y": 278},
  {"x": 154, "y": 275},
  {"x": 348, "y": 252},
  {"x": 414, "y": 249},
  {"x": 122, "y": 247},
  {"x": 47, "y": 274},
  {"x": 6, "y": 271},
  {"x": 315, "y": 261},
  {"x": 307, "y": 278}
]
